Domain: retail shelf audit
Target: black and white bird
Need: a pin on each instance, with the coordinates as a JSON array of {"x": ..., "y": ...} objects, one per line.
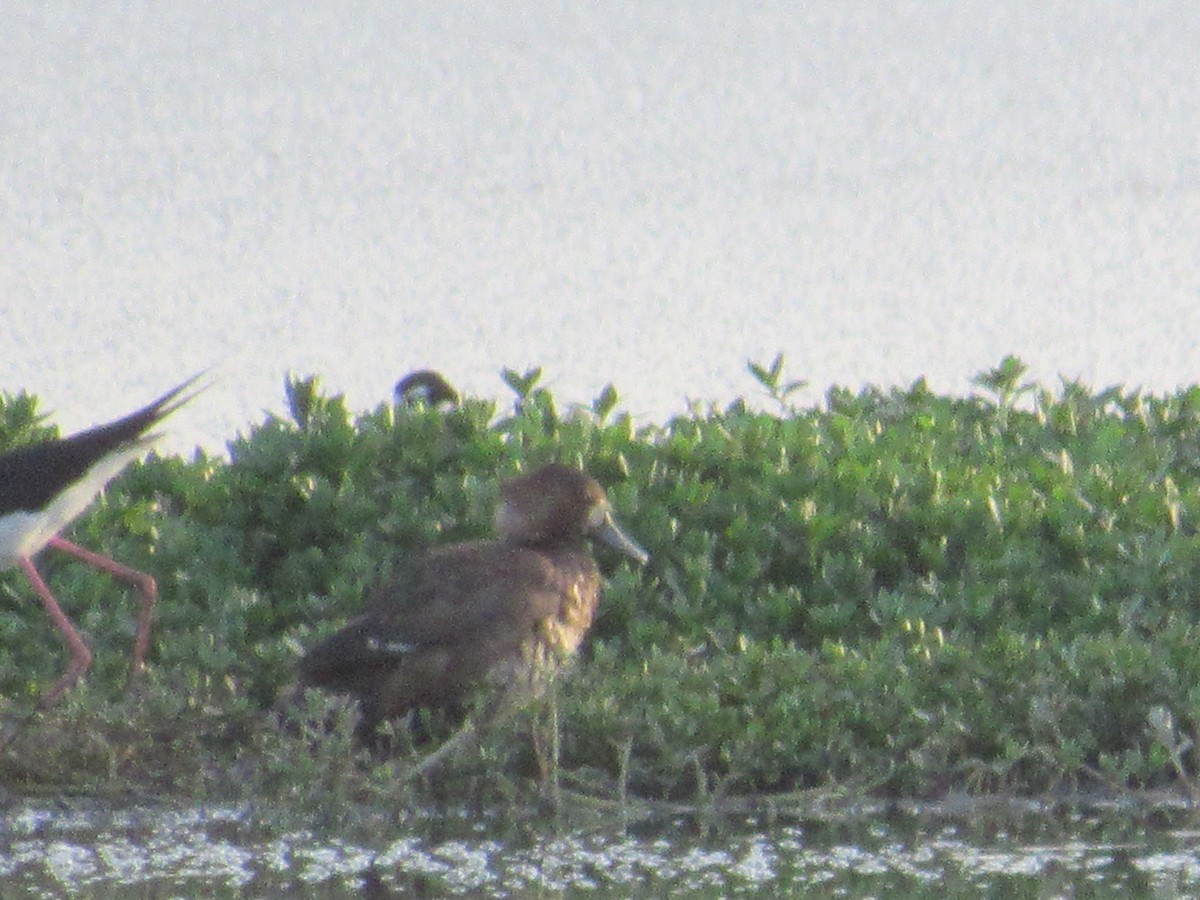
[{"x": 44, "y": 486}]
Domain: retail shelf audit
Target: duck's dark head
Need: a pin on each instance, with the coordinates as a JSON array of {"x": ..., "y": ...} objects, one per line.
[
  {"x": 560, "y": 504},
  {"x": 425, "y": 386}
]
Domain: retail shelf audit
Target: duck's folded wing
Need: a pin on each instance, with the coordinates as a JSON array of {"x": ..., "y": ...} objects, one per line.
[
  {"x": 466, "y": 588},
  {"x": 467, "y": 595},
  {"x": 346, "y": 660}
]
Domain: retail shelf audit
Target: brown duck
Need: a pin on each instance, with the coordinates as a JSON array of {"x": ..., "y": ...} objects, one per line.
[{"x": 491, "y": 612}]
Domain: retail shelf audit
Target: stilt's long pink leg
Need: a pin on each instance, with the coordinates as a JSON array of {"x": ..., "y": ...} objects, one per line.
[
  {"x": 145, "y": 584},
  {"x": 81, "y": 655}
]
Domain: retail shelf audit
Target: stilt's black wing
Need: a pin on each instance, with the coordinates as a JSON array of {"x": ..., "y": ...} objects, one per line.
[{"x": 31, "y": 477}]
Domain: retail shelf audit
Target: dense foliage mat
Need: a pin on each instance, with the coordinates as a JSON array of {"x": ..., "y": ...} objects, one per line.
[{"x": 892, "y": 589}]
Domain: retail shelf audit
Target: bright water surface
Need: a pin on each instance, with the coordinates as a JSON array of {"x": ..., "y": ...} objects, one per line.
[
  {"x": 1022, "y": 850},
  {"x": 647, "y": 194}
]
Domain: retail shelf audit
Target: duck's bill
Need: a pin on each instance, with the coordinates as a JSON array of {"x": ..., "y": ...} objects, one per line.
[{"x": 609, "y": 532}]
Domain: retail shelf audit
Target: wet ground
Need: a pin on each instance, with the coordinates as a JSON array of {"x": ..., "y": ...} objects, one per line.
[{"x": 1009, "y": 850}]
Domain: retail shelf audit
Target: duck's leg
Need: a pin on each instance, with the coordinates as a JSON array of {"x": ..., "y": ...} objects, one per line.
[
  {"x": 545, "y": 736},
  {"x": 145, "y": 585},
  {"x": 452, "y": 744}
]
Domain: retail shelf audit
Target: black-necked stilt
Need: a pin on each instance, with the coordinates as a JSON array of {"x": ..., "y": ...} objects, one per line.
[{"x": 44, "y": 486}]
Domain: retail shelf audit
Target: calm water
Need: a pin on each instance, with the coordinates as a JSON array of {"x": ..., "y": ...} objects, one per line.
[
  {"x": 1022, "y": 850},
  {"x": 644, "y": 194}
]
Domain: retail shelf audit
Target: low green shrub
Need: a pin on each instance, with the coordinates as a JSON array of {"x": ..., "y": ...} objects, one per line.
[{"x": 892, "y": 588}]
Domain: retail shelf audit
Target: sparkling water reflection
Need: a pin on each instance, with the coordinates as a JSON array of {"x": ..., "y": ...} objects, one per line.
[{"x": 1024, "y": 851}]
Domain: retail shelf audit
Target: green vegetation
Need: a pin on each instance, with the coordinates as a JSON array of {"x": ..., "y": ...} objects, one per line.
[{"x": 892, "y": 591}]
